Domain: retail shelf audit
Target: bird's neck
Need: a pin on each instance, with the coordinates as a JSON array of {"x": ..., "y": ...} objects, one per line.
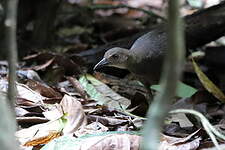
[{"x": 132, "y": 60}]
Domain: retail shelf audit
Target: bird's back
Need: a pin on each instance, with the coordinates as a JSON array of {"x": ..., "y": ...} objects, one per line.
[
  {"x": 151, "y": 44},
  {"x": 150, "y": 50}
]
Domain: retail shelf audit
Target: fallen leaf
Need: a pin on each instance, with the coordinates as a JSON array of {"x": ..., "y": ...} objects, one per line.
[
  {"x": 103, "y": 94},
  {"x": 208, "y": 84}
]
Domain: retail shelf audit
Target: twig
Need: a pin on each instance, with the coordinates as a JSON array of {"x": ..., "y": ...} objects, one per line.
[
  {"x": 78, "y": 87},
  {"x": 7, "y": 115},
  {"x": 169, "y": 79},
  {"x": 212, "y": 132},
  {"x": 11, "y": 46}
]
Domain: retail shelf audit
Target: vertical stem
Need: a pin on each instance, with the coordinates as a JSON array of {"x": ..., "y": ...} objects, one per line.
[
  {"x": 11, "y": 46},
  {"x": 8, "y": 122},
  {"x": 170, "y": 76}
]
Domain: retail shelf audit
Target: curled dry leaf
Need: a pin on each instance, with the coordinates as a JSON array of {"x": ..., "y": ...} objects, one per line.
[
  {"x": 43, "y": 140},
  {"x": 75, "y": 115},
  {"x": 23, "y": 91},
  {"x": 40, "y": 131},
  {"x": 69, "y": 109},
  {"x": 43, "y": 89}
]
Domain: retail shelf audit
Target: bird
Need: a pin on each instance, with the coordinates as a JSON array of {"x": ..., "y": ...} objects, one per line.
[{"x": 144, "y": 58}]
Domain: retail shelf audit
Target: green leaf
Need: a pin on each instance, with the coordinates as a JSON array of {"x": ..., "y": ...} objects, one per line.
[
  {"x": 183, "y": 90},
  {"x": 195, "y": 3},
  {"x": 84, "y": 142},
  {"x": 103, "y": 94}
]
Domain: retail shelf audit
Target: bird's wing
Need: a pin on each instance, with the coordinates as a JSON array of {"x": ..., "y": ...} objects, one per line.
[{"x": 151, "y": 44}]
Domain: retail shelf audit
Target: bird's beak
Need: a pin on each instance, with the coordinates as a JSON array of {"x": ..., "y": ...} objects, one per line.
[{"x": 100, "y": 64}]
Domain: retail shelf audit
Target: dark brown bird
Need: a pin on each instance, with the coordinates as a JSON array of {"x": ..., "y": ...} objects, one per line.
[{"x": 144, "y": 58}]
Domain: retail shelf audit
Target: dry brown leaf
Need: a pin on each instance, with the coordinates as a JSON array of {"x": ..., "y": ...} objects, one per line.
[
  {"x": 71, "y": 110},
  {"x": 76, "y": 117},
  {"x": 78, "y": 87},
  {"x": 45, "y": 65},
  {"x": 208, "y": 84},
  {"x": 38, "y": 131},
  {"x": 43, "y": 140},
  {"x": 43, "y": 89},
  {"x": 174, "y": 143},
  {"x": 31, "y": 120}
]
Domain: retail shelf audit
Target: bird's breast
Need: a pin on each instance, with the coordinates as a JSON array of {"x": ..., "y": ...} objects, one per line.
[{"x": 148, "y": 69}]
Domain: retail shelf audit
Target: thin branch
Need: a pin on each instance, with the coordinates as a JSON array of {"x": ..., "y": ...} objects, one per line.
[
  {"x": 8, "y": 121},
  {"x": 11, "y": 46},
  {"x": 170, "y": 75}
]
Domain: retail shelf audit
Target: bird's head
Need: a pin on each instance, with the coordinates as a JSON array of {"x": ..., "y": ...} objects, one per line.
[{"x": 115, "y": 57}]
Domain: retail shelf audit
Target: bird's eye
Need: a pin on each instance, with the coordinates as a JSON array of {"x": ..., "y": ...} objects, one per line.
[{"x": 115, "y": 56}]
